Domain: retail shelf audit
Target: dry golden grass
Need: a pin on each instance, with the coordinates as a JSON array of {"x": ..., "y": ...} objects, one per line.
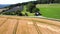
[{"x": 25, "y": 25}]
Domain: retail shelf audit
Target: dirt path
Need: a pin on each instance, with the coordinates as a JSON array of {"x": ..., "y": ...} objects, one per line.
[{"x": 28, "y": 26}]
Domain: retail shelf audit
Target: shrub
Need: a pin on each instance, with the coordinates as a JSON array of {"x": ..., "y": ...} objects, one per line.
[{"x": 35, "y": 10}]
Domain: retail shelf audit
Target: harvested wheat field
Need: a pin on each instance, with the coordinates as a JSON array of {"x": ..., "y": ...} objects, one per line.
[{"x": 24, "y": 25}]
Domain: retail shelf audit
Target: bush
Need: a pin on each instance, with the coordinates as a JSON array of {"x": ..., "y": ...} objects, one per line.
[
  {"x": 35, "y": 10},
  {"x": 19, "y": 13}
]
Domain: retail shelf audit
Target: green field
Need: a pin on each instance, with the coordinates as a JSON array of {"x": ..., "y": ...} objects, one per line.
[
  {"x": 47, "y": 10},
  {"x": 50, "y": 10}
]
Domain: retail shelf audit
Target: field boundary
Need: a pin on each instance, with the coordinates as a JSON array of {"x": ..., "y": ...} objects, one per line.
[{"x": 41, "y": 17}]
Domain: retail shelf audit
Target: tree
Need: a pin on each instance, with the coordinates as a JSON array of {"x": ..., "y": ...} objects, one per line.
[
  {"x": 30, "y": 7},
  {"x": 17, "y": 12}
]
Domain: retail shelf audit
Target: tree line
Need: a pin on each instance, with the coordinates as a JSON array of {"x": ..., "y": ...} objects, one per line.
[
  {"x": 35, "y": 2},
  {"x": 48, "y": 1}
]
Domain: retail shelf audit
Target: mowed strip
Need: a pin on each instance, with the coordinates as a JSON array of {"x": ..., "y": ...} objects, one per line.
[
  {"x": 8, "y": 26},
  {"x": 48, "y": 29}
]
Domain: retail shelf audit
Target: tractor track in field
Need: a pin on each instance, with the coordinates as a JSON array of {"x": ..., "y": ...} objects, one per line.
[
  {"x": 15, "y": 27},
  {"x": 23, "y": 25},
  {"x": 37, "y": 28},
  {"x": 3, "y": 22}
]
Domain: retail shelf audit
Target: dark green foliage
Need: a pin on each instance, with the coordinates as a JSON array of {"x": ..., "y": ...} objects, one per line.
[
  {"x": 30, "y": 7},
  {"x": 48, "y": 1},
  {"x": 26, "y": 14},
  {"x": 35, "y": 10},
  {"x": 9, "y": 13},
  {"x": 18, "y": 13}
]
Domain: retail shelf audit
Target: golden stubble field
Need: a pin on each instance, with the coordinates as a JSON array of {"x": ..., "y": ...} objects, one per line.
[{"x": 24, "y": 25}]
